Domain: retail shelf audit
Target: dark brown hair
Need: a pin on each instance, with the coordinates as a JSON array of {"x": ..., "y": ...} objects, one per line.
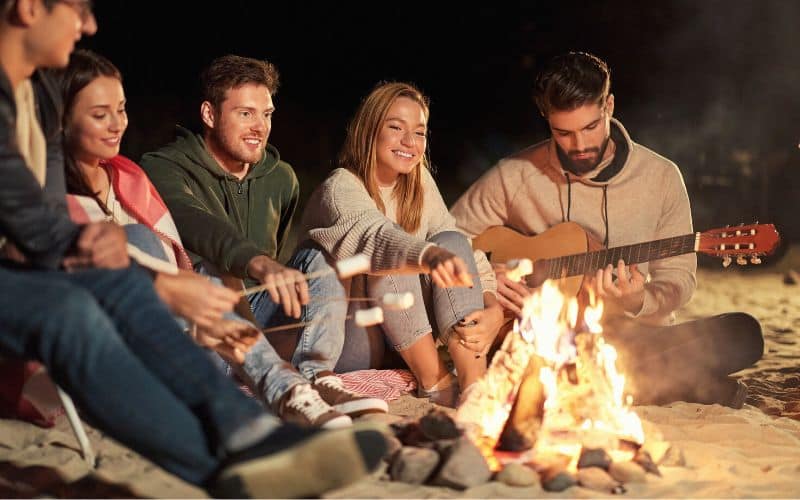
[
  {"x": 84, "y": 67},
  {"x": 230, "y": 71},
  {"x": 570, "y": 81}
]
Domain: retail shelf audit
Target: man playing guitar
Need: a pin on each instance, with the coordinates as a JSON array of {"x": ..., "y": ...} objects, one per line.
[{"x": 591, "y": 173}]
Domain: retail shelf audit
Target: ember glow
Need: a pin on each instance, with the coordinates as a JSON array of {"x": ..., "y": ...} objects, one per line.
[{"x": 584, "y": 403}]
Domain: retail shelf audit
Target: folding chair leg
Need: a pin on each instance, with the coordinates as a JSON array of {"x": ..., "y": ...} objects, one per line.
[{"x": 77, "y": 427}]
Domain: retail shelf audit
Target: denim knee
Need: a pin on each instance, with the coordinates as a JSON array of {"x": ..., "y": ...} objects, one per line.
[{"x": 455, "y": 242}]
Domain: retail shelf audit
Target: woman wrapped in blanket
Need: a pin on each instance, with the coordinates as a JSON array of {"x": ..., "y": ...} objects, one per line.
[
  {"x": 103, "y": 184},
  {"x": 384, "y": 202}
]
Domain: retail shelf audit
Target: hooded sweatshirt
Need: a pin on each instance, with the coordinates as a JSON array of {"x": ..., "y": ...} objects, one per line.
[
  {"x": 222, "y": 220},
  {"x": 633, "y": 197}
]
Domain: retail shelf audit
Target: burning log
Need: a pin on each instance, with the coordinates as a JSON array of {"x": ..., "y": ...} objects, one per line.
[
  {"x": 525, "y": 420},
  {"x": 484, "y": 413}
]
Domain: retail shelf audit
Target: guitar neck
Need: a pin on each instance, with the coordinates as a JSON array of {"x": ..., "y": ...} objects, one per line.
[{"x": 583, "y": 263}]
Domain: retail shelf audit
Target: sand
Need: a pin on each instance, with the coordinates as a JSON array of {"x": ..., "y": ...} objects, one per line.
[{"x": 752, "y": 452}]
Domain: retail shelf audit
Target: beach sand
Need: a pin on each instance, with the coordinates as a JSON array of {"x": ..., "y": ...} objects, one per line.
[{"x": 752, "y": 452}]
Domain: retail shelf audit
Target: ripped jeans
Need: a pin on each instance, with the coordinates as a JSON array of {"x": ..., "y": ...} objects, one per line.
[{"x": 436, "y": 310}]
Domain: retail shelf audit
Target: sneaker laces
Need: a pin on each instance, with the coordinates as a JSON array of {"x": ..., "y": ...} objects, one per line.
[
  {"x": 333, "y": 382},
  {"x": 308, "y": 402}
]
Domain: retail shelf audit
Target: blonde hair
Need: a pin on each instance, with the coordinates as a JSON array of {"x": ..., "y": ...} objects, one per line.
[{"x": 358, "y": 154}]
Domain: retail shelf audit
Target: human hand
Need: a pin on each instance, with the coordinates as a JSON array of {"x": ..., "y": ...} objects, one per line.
[
  {"x": 99, "y": 245},
  {"x": 510, "y": 294},
  {"x": 447, "y": 270},
  {"x": 286, "y": 286},
  {"x": 195, "y": 297},
  {"x": 628, "y": 289},
  {"x": 232, "y": 339},
  {"x": 477, "y": 330}
]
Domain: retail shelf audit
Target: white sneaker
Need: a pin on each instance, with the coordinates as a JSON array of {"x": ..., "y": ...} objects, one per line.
[
  {"x": 332, "y": 390},
  {"x": 303, "y": 406}
]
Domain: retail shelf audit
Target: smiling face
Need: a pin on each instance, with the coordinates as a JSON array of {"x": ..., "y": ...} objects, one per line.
[
  {"x": 97, "y": 120},
  {"x": 401, "y": 141},
  {"x": 582, "y": 134},
  {"x": 236, "y": 133}
]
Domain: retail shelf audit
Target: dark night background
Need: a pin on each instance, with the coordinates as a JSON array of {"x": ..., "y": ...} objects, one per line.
[{"x": 714, "y": 85}]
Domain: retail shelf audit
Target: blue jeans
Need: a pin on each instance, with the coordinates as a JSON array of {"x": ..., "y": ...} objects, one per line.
[
  {"x": 440, "y": 307},
  {"x": 320, "y": 342},
  {"x": 107, "y": 339}
]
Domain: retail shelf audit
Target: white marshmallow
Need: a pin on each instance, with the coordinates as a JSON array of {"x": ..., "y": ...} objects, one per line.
[
  {"x": 516, "y": 269},
  {"x": 357, "y": 264},
  {"x": 398, "y": 301},
  {"x": 369, "y": 317}
]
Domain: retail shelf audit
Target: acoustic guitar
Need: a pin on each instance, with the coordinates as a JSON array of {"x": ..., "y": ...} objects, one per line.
[{"x": 566, "y": 252}]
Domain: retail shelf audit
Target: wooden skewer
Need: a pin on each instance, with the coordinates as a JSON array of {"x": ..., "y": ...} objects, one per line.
[
  {"x": 300, "y": 324},
  {"x": 308, "y": 276},
  {"x": 326, "y": 272}
]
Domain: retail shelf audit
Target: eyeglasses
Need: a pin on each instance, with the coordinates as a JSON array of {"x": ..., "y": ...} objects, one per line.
[{"x": 82, "y": 7}]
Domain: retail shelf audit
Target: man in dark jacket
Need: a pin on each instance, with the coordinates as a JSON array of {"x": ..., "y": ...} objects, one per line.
[
  {"x": 72, "y": 300},
  {"x": 232, "y": 199}
]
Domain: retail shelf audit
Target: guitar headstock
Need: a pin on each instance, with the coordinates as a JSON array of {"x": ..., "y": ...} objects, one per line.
[{"x": 739, "y": 242}]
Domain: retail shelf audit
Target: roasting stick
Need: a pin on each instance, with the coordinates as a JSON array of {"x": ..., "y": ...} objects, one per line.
[
  {"x": 389, "y": 301},
  {"x": 364, "y": 317},
  {"x": 345, "y": 268}
]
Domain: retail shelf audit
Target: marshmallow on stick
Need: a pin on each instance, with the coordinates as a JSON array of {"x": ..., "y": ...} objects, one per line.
[
  {"x": 345, "y": 268},
  {"x": 397, "y": 301},
  {"x": 516, "y": 269},
  {"x": 369, "y": 317},
  {"x": 357, "y": 264}
]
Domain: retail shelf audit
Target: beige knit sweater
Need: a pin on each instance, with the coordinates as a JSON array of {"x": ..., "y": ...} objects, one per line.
[
  {"x": 344, "y": 220},
  {"x": 647, "y": 200}
]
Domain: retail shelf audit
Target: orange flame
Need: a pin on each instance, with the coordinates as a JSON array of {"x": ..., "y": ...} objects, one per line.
[{"x": 587, "y": 409}]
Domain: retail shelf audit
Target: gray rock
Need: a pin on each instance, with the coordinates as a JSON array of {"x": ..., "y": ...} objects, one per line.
[
  {"x": 393, "y": 445},
  {"x": 558, "y": 481},
  {"x": 598, "y": 479},
  {"x": 516, "y": 474},
  {"x": 413, "y": 465},
  {"x": 463, "y": 467},
  {"x": 627, "y": 472},
  {"x": 594, "y": 457}
]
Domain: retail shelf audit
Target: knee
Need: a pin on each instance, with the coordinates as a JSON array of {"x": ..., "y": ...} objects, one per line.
[
  {"x": 454, "y": 241},
  {"x": 143, "y": 238},
  {"x": 77, "y": 323}
]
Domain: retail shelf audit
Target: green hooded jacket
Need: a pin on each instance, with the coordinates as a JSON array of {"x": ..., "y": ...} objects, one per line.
[{"x": 222, "y": 220}]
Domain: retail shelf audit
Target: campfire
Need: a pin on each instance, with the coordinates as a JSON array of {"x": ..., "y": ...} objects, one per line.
[
  {"x": 557, "y": 368},
  {"x": 551, "y": 409}
]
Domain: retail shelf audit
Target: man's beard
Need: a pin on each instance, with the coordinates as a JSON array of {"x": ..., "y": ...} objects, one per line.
[{"x": 581, "y": 166}]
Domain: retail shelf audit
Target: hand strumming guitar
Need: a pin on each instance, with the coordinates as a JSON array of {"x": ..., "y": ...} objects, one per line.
[{"x": 627, "y": 289}]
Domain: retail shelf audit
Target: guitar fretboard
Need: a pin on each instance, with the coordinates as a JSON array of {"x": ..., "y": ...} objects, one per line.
[{"x": 582, "y": 263}]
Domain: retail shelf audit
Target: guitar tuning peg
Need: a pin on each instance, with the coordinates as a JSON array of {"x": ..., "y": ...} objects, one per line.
[
  {"x": 755, "y": 259},
  {"x": 726, "y": 261},
  {"x": 741, "y": 260}
]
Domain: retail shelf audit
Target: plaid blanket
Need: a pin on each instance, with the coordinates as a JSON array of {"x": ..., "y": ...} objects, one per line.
[{"x": 140, "y": 199}]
